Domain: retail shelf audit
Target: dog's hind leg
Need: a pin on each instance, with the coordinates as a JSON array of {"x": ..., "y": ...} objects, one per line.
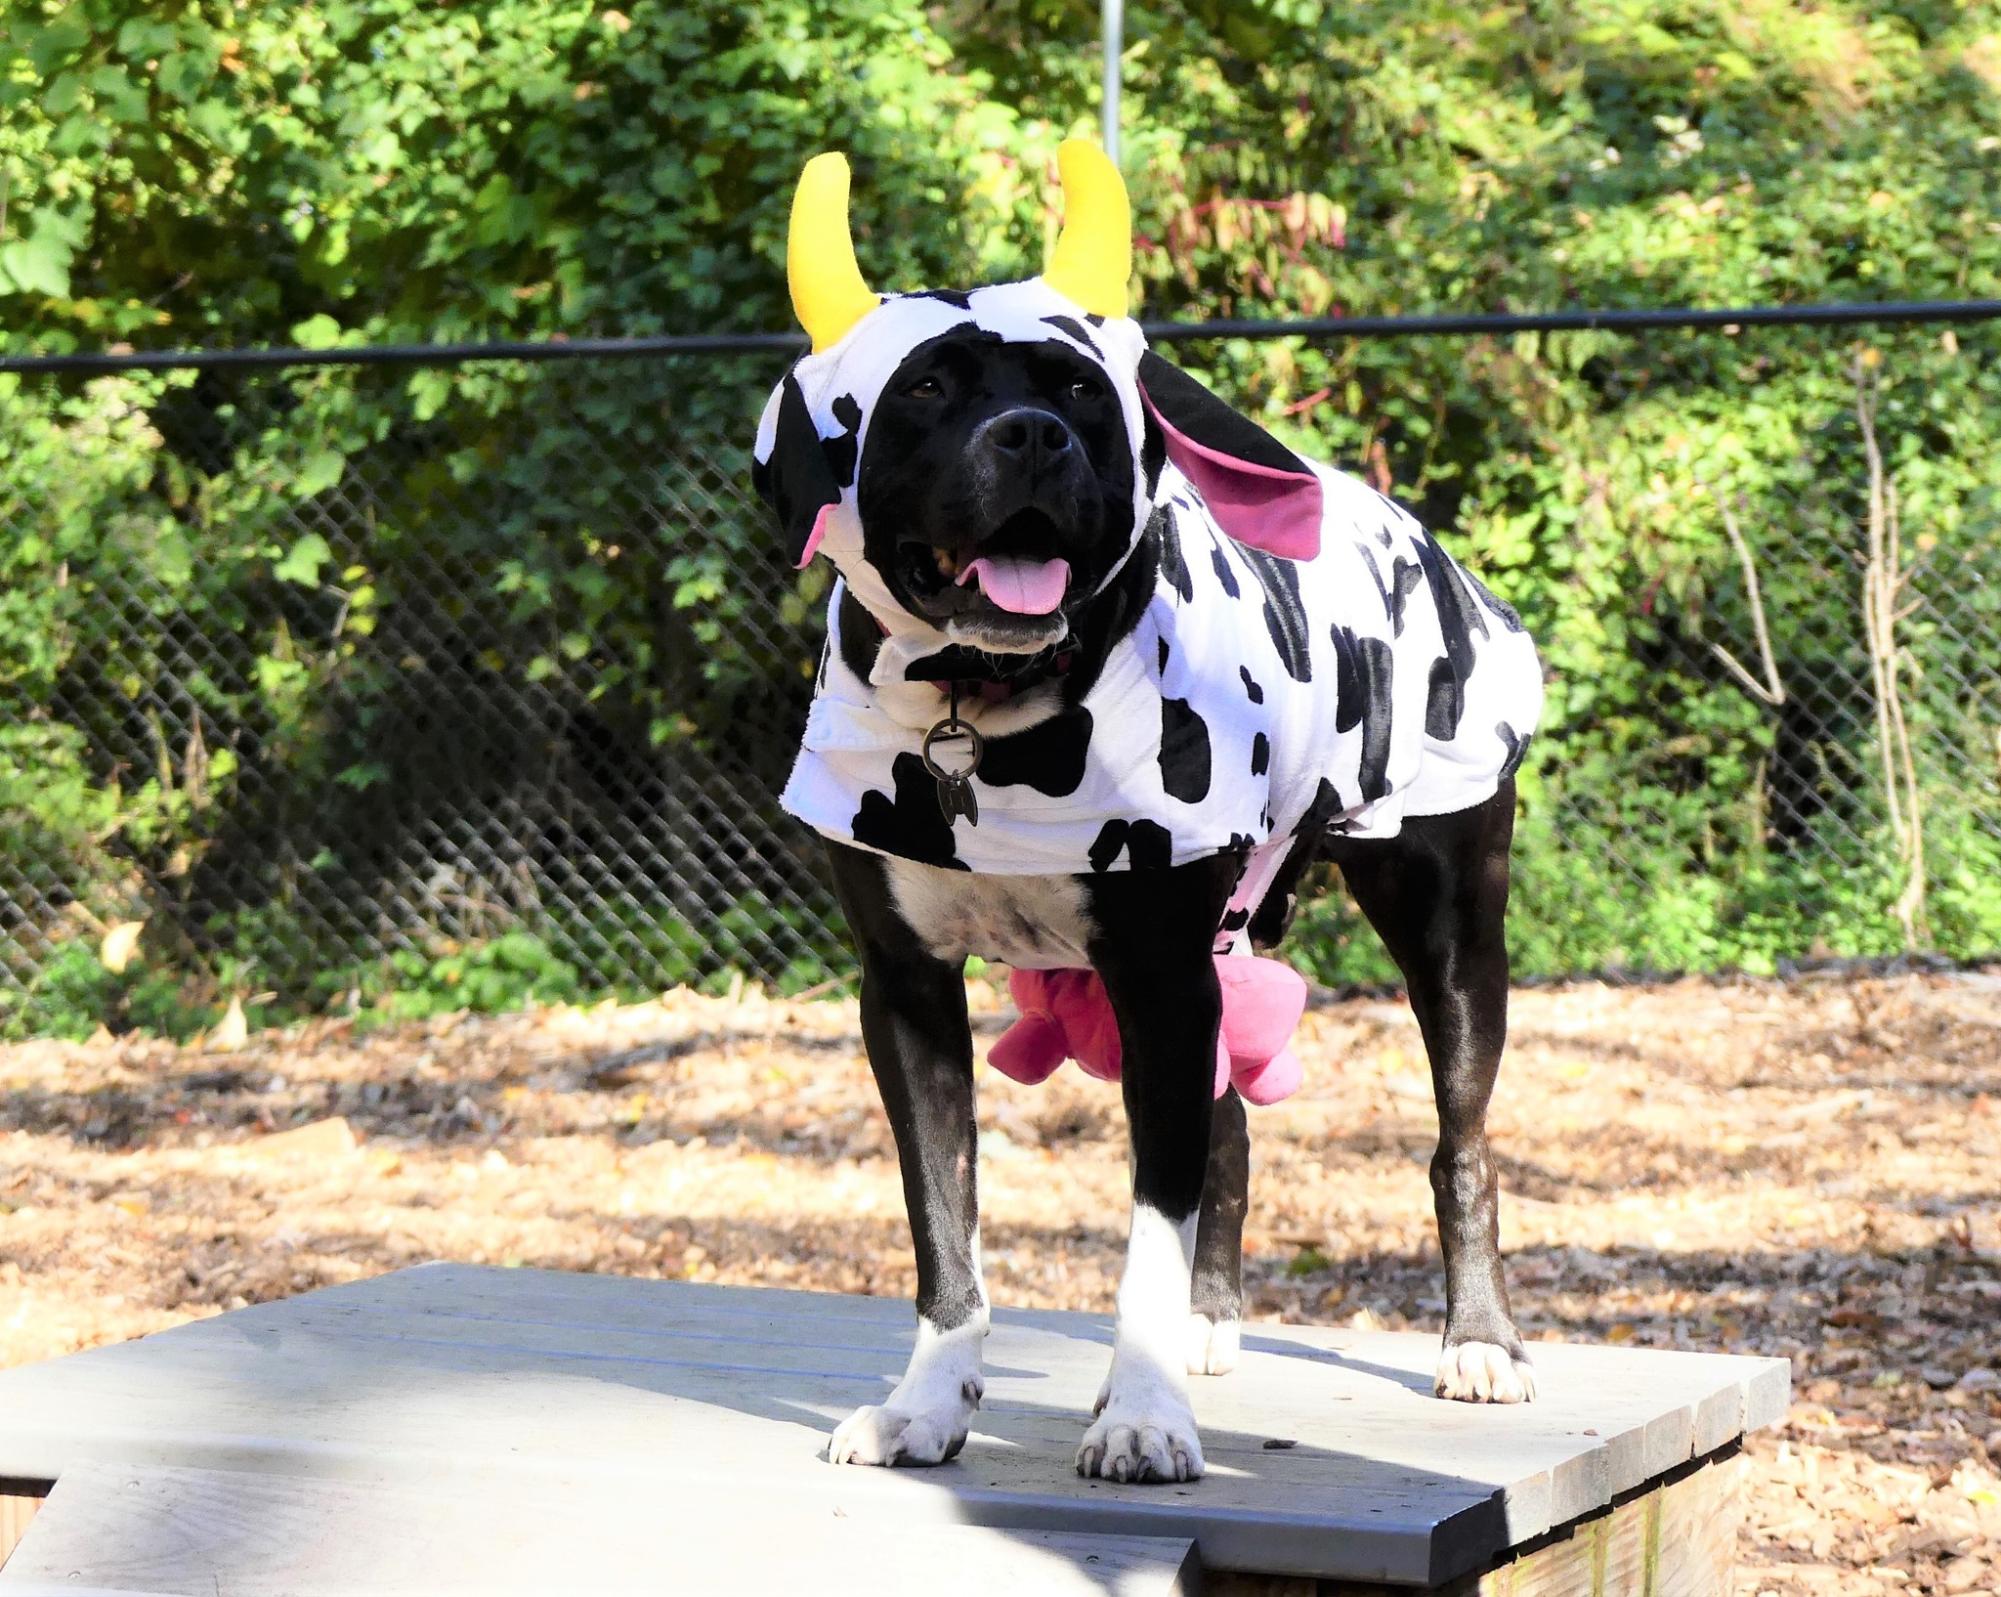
[
  {"x": 920, "y": 1046},
  {"x": 1438, "y": 896},
  {"x": 1152, "y": 931},
  {"x": 1217, "y": 1291}
]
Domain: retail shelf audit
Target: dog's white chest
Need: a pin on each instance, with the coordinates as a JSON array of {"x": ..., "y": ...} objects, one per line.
[{"x": 1032, "y": 922}]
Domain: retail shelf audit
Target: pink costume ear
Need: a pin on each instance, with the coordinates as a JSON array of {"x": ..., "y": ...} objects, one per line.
[
  {"x": 813, "y": 538},
  {"x": 1260, "y": 492}
]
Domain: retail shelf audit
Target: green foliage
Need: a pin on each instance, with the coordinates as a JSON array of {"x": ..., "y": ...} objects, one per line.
[
  {"x": 210, "y": 171},
  {"x": 1309, "y": 1260},
  {"x": 72, "y": 995},
  {"x": 226, "y": 605},
  {"x": 513, "y": 971}
]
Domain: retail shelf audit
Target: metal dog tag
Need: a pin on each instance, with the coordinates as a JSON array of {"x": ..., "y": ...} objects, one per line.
[
  {"x": 955, "y": 787},
  {"x": 955, "y": 797}
]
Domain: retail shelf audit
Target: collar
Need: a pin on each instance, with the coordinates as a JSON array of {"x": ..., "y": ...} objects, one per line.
[
  {"x": 974, "y": 669},
  {"x": 977, "y": 674},
  {"x": 911, "y": 680}
]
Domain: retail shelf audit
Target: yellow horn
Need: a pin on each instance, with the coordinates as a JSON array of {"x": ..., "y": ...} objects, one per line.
[
  {"x": 1093, "y": 258},
  {"x": 828, "y": 294}
]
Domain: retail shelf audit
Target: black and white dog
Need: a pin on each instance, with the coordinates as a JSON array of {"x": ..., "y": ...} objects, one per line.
[{"x": 1108, "y": 667}]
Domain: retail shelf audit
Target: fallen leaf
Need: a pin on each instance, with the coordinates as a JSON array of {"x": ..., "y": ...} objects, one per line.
[
  {"x": 321, "y": 1139},
  {"x": 232, "y": 1031},
  {"x": 115, "y": 952}
]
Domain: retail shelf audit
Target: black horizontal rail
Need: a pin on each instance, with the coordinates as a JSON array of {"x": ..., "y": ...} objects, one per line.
[
  {"x": 1608, "y": 321},
  {"x": 414, "y": 354},
  {"x": 1893, "y": 312}
]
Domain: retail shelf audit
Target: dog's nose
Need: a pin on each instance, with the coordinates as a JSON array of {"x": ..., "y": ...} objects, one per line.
[{"x": 1026, "y": 436}]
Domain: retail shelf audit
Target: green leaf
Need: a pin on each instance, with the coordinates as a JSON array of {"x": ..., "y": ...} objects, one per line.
[
  {"x": 37, "y": 264},
  {"x": 184, "y": 75},
  {"x": 141, "y": 38},
  {"x": 316, "y": 332},
  {"x": 58, "y": 40},
  {"x": 429, "y": 389},
  {"x": 302, "y": 564},
  {"x": 1309, "y": 1260},
  {"x": 118, "y": 96},
  {"x": 63, "y": 94},
  {"x": 366, "y": 774},
  {"x": 321, "y": 470}
]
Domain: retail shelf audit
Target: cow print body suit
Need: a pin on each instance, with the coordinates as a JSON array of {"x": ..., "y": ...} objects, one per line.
[{"x": 1255, "y": 696}]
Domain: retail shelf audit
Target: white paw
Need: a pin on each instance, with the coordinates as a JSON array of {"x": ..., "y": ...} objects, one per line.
[
  {"x": 1212, "y": 1345},
  {"x": 1483, "y": 1372},
  {"x": 879, "y": 1434},
  {"x": 1142, "y": 1445}
]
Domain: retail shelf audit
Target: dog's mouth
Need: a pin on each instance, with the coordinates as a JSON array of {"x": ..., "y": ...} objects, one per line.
[{"x": 1011, "y": 572}]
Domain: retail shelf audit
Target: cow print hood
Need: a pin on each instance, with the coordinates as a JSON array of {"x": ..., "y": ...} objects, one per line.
[{"x": 836, "y": 393}]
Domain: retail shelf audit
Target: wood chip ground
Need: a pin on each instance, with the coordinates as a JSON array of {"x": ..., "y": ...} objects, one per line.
[{"x": 1812, "y": 1171}]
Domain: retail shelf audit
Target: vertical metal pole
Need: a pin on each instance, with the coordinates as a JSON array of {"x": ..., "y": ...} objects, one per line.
[{"x": 1113, "y": 16}]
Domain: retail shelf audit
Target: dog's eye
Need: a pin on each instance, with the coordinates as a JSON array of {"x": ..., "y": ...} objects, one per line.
[
  {"x": 1084, "y": 388},
  {"x": 924, "y": 388}
]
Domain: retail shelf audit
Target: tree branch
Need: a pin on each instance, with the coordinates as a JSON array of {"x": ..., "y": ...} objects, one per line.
[{"x": 1771, "y": 690}]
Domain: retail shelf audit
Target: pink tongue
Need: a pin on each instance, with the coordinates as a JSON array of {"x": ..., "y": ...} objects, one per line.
[{"x": 1026, "y": 587}]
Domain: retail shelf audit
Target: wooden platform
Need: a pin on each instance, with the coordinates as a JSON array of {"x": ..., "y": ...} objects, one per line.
[{"x": 453, "y": 1428}]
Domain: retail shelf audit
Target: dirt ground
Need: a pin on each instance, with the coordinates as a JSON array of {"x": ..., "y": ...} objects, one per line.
[{"x": 1812, "y": 1171}]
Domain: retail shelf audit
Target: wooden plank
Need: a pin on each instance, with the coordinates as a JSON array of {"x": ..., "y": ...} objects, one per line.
[
  {"x": 993, "y": 1483},
  {"x": 542, "y": 1374},
  {"x": 1677, "y": 1540},
  {"x": 1018, "y": 1463},
  {"x": 189, "y": 1533},
  {"x": 19, "y": 1502},
  {"x": 1768, "y": 1394},
  {"x": 1668, "y": 1438}
]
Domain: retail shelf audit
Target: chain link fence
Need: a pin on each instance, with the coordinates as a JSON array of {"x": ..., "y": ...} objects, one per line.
[{"x": 479, "y": 679}]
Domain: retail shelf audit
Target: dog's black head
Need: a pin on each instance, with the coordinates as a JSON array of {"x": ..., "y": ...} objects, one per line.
[
  {"x": 980, "y": 464},
  {"x": 996, "y": 486},
  {"x": 987, "y": 467}
]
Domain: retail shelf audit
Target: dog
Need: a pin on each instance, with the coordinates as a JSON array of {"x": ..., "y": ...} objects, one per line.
[{"x": 1108, "y": 667}]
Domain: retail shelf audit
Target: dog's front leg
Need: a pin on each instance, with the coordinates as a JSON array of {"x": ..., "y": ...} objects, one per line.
[
  {"x": 920, "y": 1045},
  {"x": 1152, "y": 950}
]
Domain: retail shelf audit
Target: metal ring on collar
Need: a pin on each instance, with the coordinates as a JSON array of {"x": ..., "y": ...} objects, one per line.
[{"x": 952, "y": 727}]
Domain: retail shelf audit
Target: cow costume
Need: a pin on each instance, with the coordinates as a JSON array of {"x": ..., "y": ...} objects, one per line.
[{"x": 1310, "y": 659}]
